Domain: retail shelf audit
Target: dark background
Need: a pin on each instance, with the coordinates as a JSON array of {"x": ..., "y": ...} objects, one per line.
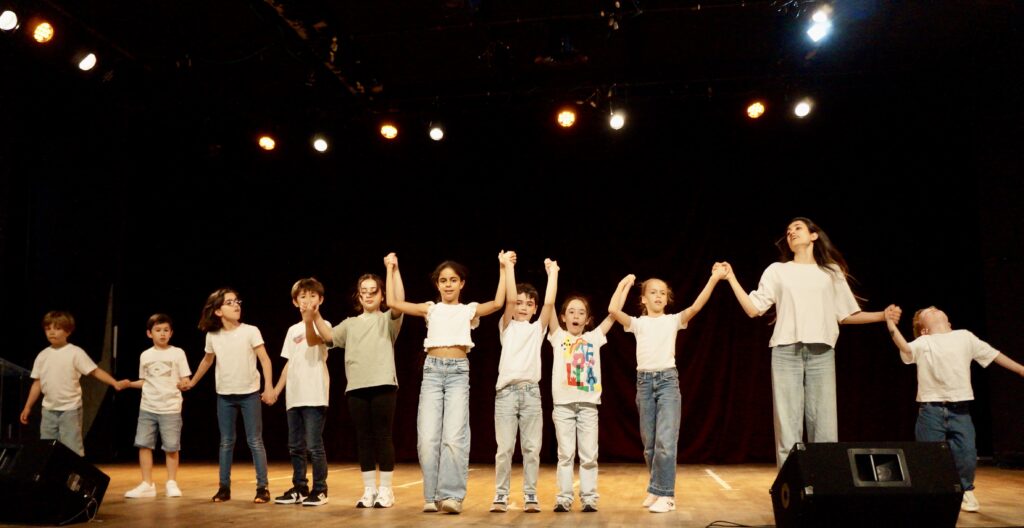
[{"x": 144, "y": 177}]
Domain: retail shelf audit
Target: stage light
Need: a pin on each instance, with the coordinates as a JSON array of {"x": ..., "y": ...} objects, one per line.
[
  {"x": 8, "y": 20},
  {"x": 566, "y": 118},
  {"x": 617, "y": 120},
  {"x": 821, "y": 24},
  {"x": 43, "y": 32},
  {"x": 87, "y": 62},
  {"x": 267, "y": 143},
  {"x": 802, "y": 108},
  {"x": 436, "y": 132},
  {"x": 320, "y": 144},
  {"x": 389, "y": 131},
  {"x": 755, "y": 110}
]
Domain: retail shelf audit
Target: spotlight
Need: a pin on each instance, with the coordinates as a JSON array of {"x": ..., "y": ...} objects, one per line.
[
  {"x": 821, "y": 24},
  {"x": 389, "y": 131},
  {"x": 267, "y": 143},
  {"x": 436, "y": 132},
  {"x": 87, "y": 62},
  {"x": 8, "y": 20},
  {"x": 755, "y": 110},
  {"x": 43, "y": 32},
  {"x": 802, "y": 108},
  {"x": 320, "y": 144},
  {"x": 566, "y": 118},
  {"x": 617, "y": 120}
]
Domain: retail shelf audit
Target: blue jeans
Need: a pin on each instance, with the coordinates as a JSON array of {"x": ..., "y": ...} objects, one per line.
[
  {"x": 937, "y": 422},
  {"x": 803, "y": 389},
  {"x": 228, "y": 407},
  {"x": 442, "y": 427},
  {"x": 576, "y": 431},
  {"x": 659, "y": 403},
  {"x": 63, "y": 426},
  {"x": 306, "y": 436},
  {"x": 517, "y": 406}
]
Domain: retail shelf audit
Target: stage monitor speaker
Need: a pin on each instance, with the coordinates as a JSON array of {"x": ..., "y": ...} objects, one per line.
[
  {"x": 44, "y": 482},
  {"x": 864, "y": 484}
]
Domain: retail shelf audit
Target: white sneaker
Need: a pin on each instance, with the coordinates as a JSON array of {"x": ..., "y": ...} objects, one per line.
[
  {"x": 172, "y": 489},
  {"x": 970, "y": 502},
  {"x": 648, "y": 500},
  {"x": 452, "y": 506},
  {"x": 500, "y": 504},
  {"x": 430, "y": 507},
  {"x": 385, "y": 498},
  {"x": 143, "y": 490},
  {"x": 366, "y": 501},
  {"x": 663, "y": 504}
]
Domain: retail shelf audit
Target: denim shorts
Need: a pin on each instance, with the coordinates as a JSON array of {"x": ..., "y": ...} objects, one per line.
[{"x": 169, "y": 426}]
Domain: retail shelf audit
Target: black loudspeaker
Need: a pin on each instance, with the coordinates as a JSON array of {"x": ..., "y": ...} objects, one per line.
[
  {"x": 858, "y": 484},
  {"x": 44, "y": 482}
]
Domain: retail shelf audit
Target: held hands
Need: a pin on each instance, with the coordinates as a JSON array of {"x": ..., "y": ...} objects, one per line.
[
  {"x": 507, "y": 258},
  {"x": 627, "y": 281},
  {"x": 723, "y": 267},
  {"x": 122, "y": 384},
  {"x": 185, "y": 385},
  {"x": 391, "y": 261},
  {"x": 269, "y": 396},
  {"x": 309, "y": 310},
  {"x": 892, "y": 314},
  {"x": 550, "y": 265}
]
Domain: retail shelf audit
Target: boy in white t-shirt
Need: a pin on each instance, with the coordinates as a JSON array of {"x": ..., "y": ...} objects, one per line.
[
  {"x": 56, "y": 372},
  {"x": 943, "y": 357},
  {"x": 517, "y": 402},
  {"x": 161, "y": 368},
  {"x": 308, "y": 388}
]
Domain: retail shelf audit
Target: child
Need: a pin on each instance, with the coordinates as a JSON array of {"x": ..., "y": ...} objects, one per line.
[
  {"x": 369, "y": 343},
  {"x": 56, "y": 372},
  {"x": 517, "y": 400},
  {"x": 943, "y": 357},
  {"x": 657, "y": 379},
  {"x": 161, "y": 368},
  {"x": 442, "y": 420},
  {"x": 576, "y": 386},
  {"x": 308, "y": 381},
  {"x": 237, "y": 346}
]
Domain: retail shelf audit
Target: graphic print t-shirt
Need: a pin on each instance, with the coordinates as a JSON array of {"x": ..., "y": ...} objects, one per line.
[{"x": 576, "y": 370}]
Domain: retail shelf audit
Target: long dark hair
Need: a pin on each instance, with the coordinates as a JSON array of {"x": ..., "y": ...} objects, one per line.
[
  {"x": 825, "y": 253},
  {"x": 380, "y": 287},
  {"x": 461, "y": 271},
  {"x": 209, "y": 321}
]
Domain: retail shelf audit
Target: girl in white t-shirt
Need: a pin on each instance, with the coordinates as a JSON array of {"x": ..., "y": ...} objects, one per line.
[
  {"x": 236, "y": 346},
  {"x": 657, "y": 379},
  {"x": 442, "y": 421},
  {"x": 812, "y": 298}
]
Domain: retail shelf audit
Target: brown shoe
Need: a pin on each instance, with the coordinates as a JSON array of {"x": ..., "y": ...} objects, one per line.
[{"x": 262, "y": 496}]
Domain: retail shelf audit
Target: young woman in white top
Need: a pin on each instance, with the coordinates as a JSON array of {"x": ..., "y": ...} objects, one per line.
[
  {"x": 657, "y": 379},
  {"x": 812, "y": 298},
  {"x": 442, "y": 421}
]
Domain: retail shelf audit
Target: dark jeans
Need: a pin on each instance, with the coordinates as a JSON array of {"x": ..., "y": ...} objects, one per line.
[
  {"x": 228, "y": 408},
  {"x": 373, "y": 414},
  {"x": 306, "y": 437}
]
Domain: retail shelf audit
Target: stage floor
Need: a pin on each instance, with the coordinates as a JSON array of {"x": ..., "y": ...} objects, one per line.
[{"x": 736, "y": 493}]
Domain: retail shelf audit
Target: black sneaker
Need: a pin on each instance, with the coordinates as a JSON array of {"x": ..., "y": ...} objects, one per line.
[
  {"x": 262, "y": 496},
  {"x": 223, "y": 494},
  {"x": 294, "y": 496},
  {"x": 316, "y": 498}
]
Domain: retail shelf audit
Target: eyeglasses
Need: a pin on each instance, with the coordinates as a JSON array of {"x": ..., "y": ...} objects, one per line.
[{"x": 233, "y": 302}]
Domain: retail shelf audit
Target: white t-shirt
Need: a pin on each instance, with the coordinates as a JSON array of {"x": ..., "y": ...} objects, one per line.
[
  {"x": 520, "y": 352},
  {"x": 236, "y": 358},
  {"x": 449, "y": 325},
  {"x": 655, "y": 340},
  {"x": 809, "y": 302},
  {"x": 309, "y": 383},
  {"x": 160, "y": 371},
  {"x": 944, "y": 364},
  {"x": 58, "y": 370},
  {"x": 576, "y": 369}
]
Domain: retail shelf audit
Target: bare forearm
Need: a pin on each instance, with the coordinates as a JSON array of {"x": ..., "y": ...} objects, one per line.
[
  {"x": 864, "y": 318},
  {"x": 1003, "y": 361},
  {"x": 102, "y": 375},
  {"x": 326, "y": 332},
  {"x": 743, "y": 298}
]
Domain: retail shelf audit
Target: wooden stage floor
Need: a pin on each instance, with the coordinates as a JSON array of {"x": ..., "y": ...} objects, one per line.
[{"x": 736, "y": 493}]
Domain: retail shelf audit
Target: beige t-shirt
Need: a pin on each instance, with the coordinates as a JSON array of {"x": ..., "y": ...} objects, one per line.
[{"x": 58, "y": 371}]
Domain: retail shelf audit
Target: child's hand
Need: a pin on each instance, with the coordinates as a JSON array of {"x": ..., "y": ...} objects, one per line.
[
  {"x": 185, "y": 385},
  {"x": 308, "y": 310},
  {"x": 122, "y": 384},
  {"x": 391, "y": 260},
  {"x": 728, "y": 270},
  {"x": 893, "y": 313},
  {"x": 550, "y": 265},
  {"x": 24, "y": 416},
  {"x": 269, "y": 397},
  {"x": 628, "y": 280},
  {"x": 510, "y": 256},
  {"x": 719, "y": 271}
]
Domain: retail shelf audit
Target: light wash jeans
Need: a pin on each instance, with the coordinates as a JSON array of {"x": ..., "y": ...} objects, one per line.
[
  {"x": 65, "y": 427},
  {"x": 660, "y": 406},
  {"x": 517, "y": 406},
  {"x": 950, "y": 422},
  {"x": 442, "y": 427},
  {"x": 228, "y": 408},
  {"x": 803, "y": 388},
  {"x": 576, "y": 429}
]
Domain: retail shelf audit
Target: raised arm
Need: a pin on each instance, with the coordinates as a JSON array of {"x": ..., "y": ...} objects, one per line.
[
  {"x": 490, "y": 307},
  {"x": 619, "y": 300},
  {"x": 741, "y": 294},
  {"x": 718, "y": 272},
  {"x": 326, "y": 333},
  {"x": 204, "y": 365},
  {"x": 309, "y": 316},
  {"x": 891, "y": 318},
  {"x": 33, "y": 396},
  {"x": 511, "y": 292},
  {"x": 606, "y": 325},
  {"x": 548, "y": 309},
  {"x": 391, "y": 261},
  {"x": 392, "y": 285}
]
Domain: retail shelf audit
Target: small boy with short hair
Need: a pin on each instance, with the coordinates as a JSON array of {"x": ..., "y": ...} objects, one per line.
[
  {"x": 161, "y": 368},
  {"x": 56, "y": 372}
]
